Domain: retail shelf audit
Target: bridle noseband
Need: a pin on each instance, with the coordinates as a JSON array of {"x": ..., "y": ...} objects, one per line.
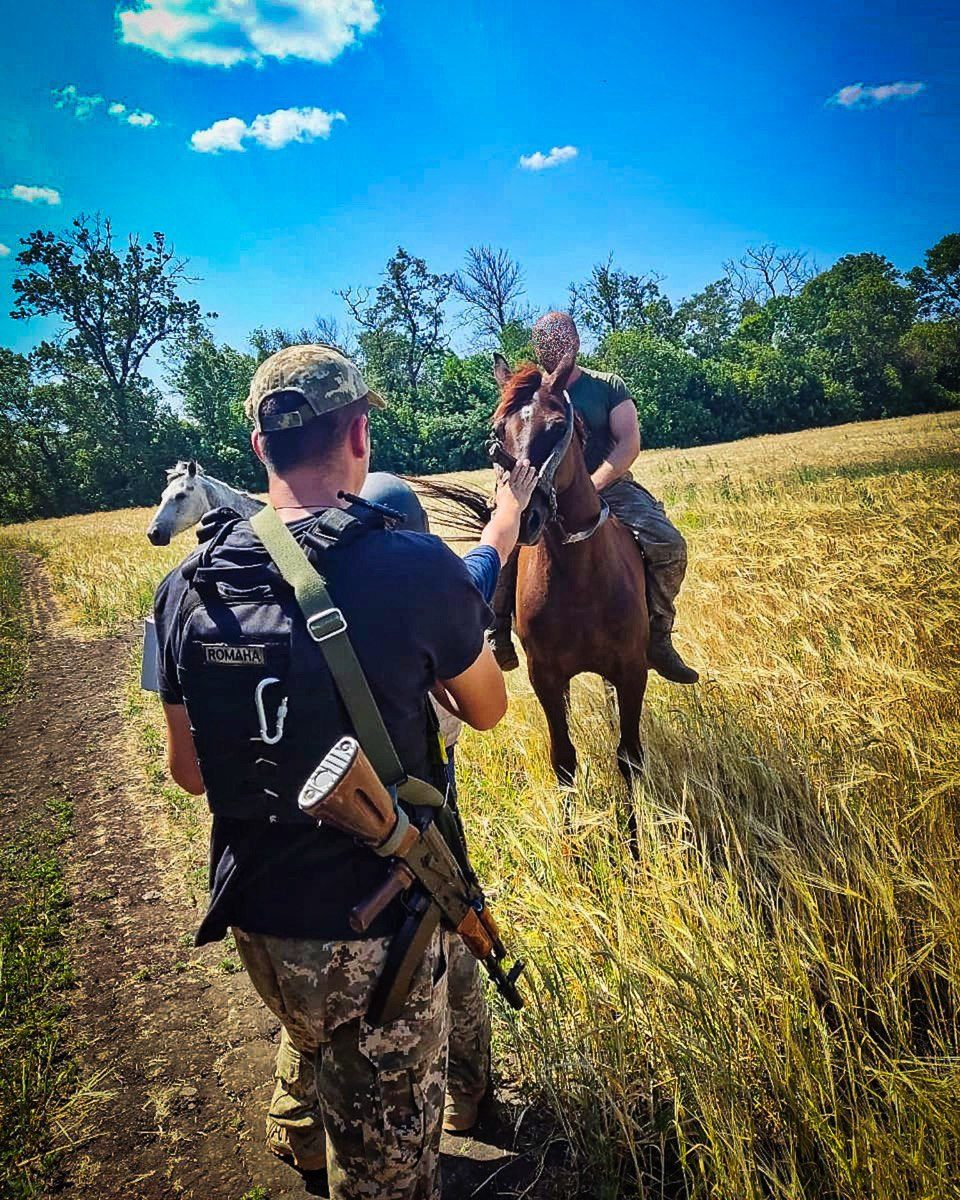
[{"x": 545, "y": 485}]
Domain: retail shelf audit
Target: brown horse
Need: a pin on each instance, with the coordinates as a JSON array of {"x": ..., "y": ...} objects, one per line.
[{"x": 581, "y": 598}]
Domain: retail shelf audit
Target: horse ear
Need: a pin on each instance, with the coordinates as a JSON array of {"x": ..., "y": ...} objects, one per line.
[
  {"x": 192, "y": 468},
  {"x": 557, "y": 380},
  {"x": 501, "y": 370}
]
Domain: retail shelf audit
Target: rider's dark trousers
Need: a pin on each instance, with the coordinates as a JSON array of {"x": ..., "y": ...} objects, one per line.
[{"x": 663, "y": 547}]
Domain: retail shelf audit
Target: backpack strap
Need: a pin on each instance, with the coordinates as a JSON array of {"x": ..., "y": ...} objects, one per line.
[{"x": 327, "y": 626}]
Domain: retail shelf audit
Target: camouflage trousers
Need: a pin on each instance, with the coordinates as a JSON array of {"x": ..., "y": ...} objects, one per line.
[
  {"x": 664, "y": 551},
  {"x": 294, "y": 1116},
  {"x": 379, "y": 1091}
]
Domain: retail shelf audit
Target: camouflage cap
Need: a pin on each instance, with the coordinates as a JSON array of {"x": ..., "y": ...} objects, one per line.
[{"x": 322, "y": 375}]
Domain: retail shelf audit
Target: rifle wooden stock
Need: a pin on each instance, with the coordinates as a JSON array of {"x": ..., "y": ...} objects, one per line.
[{"x": 344, "y": 791}]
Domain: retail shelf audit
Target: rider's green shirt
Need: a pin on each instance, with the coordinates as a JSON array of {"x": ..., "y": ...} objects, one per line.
[{"x": 595, "y": 395}]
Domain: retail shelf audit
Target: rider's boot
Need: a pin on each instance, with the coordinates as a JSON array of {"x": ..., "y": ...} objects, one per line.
[
  {"x": 665, "y": 660},
  {"x": 501, "y": 643}
]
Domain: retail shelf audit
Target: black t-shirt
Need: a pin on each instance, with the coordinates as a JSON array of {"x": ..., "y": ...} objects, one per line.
[{"x": 414, "y": 616}]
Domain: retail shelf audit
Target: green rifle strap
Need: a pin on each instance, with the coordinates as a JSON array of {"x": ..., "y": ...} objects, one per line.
[{"x": 328, "y": 628}]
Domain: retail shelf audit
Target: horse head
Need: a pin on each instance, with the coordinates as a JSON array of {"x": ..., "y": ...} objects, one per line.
[
  {"x": 535, "y": 421},
  {"x": 183, "y": 503}
]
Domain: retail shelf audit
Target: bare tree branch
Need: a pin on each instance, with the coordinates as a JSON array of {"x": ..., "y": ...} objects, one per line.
[
  {"x": 491, "y": 285},
  {"x": 767, "y": 271}
]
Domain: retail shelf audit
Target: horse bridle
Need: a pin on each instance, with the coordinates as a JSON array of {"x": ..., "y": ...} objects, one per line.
[{"x": 545, "y": 485}]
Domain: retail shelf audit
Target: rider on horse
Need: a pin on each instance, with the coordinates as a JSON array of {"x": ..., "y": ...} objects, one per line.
[{"x": 613, "y": 443}]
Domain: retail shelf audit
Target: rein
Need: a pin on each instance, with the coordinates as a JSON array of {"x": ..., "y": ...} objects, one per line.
[{"x": 500, "y": 455}]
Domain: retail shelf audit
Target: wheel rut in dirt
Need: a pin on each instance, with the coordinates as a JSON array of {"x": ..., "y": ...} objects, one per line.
[{"x": 177, "y": 1052}]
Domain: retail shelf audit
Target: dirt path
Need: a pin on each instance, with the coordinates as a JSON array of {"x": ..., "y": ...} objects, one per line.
[{"x": 182, "y": 1050}]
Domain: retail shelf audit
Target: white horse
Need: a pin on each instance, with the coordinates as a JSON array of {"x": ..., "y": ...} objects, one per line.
[{"x": 191, "y": 492}]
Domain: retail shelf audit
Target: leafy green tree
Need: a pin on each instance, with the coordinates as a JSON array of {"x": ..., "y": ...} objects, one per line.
[
  {"x": 35, "y": 466},
  {"x": 115, "y": 307},
  {"x": 402, "y": 326},
  {"x": 931, "y": 352},
  {"x": 857, "y": 312},
  {"x": 460, "y": 429},
  {"x": 773, "y": 389},
  {"x": 213, "y": 382},
  {"x": 326, "y": 330},
  {"x": 707, "y": 320},
  {"x": 611, "y": 301},
  {"x": 668, "y": 385},
  {"x": 937, "y": 284},
  {"x": 516, "y": 343}
]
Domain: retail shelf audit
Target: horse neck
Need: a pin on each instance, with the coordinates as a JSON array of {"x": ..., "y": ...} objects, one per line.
[
  {"x": 222, "y": 495},
  {"x": 578, "y": 505}
]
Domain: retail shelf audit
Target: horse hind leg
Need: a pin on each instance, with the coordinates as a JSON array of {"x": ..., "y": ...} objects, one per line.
[{"x": 630, "y": 749}]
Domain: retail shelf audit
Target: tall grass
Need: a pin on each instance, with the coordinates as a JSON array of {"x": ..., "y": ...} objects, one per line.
[
  {"x": 13, "y": 631},
  {"x": 767, "y": 1002}
]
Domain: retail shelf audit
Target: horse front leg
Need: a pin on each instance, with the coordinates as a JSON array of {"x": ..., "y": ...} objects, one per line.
[
  {"x": 630, "y": 749},
  {"x": 553, "y": 692}
]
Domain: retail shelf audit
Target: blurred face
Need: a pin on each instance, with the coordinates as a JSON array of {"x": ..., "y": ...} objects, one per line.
[{"x": 554, "y": 336}]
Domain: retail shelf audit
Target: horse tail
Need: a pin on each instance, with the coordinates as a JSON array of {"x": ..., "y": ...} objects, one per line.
[{"x": 457, "y": 506}]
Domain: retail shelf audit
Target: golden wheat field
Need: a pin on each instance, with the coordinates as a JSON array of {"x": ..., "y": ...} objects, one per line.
[{"x": 767, "y": 1003}]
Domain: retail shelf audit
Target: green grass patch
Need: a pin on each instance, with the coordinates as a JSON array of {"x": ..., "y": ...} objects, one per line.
[
  {"x": 13, "y": 633},
  {"x": 39, "y": 1076}
]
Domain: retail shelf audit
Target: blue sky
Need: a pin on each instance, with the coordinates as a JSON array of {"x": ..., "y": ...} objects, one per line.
[{"x": 699, "y": 129}]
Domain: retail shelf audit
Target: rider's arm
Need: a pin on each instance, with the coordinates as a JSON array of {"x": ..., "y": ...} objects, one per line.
[
  {"x": 624, "y": 445},
  {"x": 477, "y": 695},
  {"x": 513, "y": 495},
  {"x": 181, "y": 752}
]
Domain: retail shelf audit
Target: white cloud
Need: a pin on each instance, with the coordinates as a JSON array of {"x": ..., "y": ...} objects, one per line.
[
  {"x": 541, "y": 162},
  {"x": 32, "y": 195},
  {"x": 273, "y": 130},
  {"x": 227, "y": 134},
  {"x": 223, "y": 33},
  {"x": 83, "y": 107},
  {"x": 142, "y": 120},
  {"x": 4, "y": 250},
  {"x": 70, "y": 97},
  {"x": 864, "y": 95}
]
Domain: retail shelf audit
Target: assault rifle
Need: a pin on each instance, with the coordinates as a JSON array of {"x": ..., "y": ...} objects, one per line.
[{"x": 345, "y": 792}]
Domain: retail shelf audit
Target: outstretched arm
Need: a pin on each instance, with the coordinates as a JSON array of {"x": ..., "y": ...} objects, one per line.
[{"x": 624, "y": 448}]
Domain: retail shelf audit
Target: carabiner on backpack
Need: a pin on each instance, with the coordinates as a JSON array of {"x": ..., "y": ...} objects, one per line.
[{"x": 268, "y": 738}]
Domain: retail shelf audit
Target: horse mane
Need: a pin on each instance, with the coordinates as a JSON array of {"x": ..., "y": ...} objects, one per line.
[
  {"x": 518, "y": 391},
  {"x": 182, "y": 468}
]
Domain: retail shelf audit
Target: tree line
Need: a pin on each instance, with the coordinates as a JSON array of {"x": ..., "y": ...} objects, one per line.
[{"x": 773, "y": 344}]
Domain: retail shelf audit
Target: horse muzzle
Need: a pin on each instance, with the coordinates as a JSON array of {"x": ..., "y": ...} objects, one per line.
[
  {"x": 157, "y": 537},
  {"x": 534, "y": 520}
]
